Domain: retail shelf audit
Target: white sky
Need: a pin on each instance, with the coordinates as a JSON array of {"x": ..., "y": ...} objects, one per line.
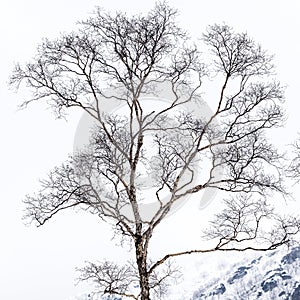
[{"x": 38, "y": 264}]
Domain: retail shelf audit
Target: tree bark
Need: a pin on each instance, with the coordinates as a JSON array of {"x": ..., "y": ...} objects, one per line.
[{"x": 141, "y": 260}]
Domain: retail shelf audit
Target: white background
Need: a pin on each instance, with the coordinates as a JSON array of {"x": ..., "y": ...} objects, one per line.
[{"x": 39, "y": 264}]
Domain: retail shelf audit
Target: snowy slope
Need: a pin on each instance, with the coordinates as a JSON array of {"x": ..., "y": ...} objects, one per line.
[{"x": 273, "y": 275}]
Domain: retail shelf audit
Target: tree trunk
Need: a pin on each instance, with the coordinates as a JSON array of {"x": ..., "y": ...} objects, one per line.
[{"x": 141, "y": 260}]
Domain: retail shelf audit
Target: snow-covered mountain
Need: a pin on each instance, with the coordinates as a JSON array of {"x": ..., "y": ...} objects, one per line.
[
  {"x": 231, "y": 276},
  {"x": 273, "y": 275}
]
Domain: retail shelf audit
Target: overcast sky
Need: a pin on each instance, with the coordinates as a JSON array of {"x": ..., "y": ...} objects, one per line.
[{"x": 39, "y": 264}]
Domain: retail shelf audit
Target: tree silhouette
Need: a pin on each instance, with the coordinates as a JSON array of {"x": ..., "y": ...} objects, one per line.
[{"x": 121, "y": 58}]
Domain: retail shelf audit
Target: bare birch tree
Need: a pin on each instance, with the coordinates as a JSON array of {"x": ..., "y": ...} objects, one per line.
[{"x": 132, "y": 56}]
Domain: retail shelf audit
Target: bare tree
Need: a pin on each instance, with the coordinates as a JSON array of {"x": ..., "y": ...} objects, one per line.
[{"x": 132, "y": 56}]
